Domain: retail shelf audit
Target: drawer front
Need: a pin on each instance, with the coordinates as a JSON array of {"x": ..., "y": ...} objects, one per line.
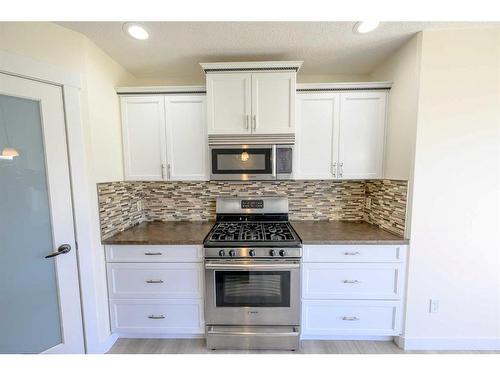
[
  {"x": 154, "y": 253},
  {"x": 354, "y": 253},
  {"x": 323, "y": 318},
  {"x": 157, "y": 316},
  {"x": 149, "y": 280},
  {"x": 351, "y": 280}
]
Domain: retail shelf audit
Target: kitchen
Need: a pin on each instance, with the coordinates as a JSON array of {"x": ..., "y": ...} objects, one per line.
[{"x": 251, "y": 205}]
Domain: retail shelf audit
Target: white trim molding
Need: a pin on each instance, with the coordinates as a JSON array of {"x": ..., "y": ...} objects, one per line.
[
  {"x": 448, "y": 343},
  {"x": 251, "y": 66},
  {"x": 160, "y": 90},
  {"x": 340, "y": 86},
  {"x": 37, "y": 70}
]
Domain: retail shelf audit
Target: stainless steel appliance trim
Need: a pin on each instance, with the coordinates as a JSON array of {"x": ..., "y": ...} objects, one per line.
[
  {"x": 250, "y": 266},
  {"x": 272, "y": 205},
  {"x": 253, "y": 337},
  {"x": 254, "y": 331}
]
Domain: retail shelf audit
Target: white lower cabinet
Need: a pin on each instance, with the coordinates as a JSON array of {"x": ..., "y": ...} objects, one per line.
[
  {"x": 155, "y": 291},
  {"x": 360, "y": 297},
  {"x": 169, "y": 316},
  {"x": 331, "y": 317}
]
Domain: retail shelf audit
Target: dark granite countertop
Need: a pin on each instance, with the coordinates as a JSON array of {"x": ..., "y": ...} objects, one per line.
[
  {"x": 311, "y": 232},
  {"x": 344, "y": 232},
  {"x": 163, "y": 233}
]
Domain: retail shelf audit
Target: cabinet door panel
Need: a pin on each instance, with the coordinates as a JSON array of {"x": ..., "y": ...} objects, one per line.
[
  {"x": 229, "y": 103},
  {"x": 273, "y": 103},
  {"x": 317, "y": 135},
  {"x": 187, "y": 137},
  {"x": 143, "y": 131},
  {"x": 329, "y": 318},
  {"x": 361, "y": 141}
]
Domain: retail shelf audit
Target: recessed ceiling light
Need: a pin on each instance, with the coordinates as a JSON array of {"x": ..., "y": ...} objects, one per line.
[
  {"x": 135, "y": 30},
  {"x": 364, "y": 27}
]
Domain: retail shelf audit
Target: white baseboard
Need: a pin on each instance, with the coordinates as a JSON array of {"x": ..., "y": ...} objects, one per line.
[
  {"x": 346, "y": 337},
  {"x": 449, "y": 343},
  {"x": 161, "y": 336}
]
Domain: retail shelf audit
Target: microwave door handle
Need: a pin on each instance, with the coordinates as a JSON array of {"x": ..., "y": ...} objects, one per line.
[{"x": 274, "y": 161}]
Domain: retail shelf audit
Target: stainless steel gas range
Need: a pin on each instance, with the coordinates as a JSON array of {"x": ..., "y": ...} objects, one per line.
[{"x": 252, "y": 276}]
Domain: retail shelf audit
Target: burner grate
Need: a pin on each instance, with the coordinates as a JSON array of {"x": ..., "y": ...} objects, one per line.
[{"x": 252, "y": 232}]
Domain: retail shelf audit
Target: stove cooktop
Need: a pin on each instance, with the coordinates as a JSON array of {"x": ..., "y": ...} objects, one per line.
[{"x": 252, "y": 234}]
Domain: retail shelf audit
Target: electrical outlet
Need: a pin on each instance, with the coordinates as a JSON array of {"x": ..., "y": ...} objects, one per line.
[
  {"x": 433, "y": 306},
  {"x": 368, "y": 203}
]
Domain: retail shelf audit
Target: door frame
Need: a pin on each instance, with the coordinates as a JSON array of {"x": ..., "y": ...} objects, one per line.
[{"x": 83, "y": 191}]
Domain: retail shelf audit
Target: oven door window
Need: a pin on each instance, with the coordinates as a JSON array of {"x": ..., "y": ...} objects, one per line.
[
  {"x": 252, "y": 288},
  {"x": 238, "y": 161}
]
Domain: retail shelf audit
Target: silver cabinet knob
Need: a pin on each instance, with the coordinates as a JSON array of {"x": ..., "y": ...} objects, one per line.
[{"x": 350, "y": 318}]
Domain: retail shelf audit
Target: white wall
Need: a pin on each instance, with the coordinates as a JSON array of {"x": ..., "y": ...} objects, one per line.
[
  {"x": 72, "y": 51},
  {"x": 402, "y": 68},
  {"x": 455, "y": 220}
]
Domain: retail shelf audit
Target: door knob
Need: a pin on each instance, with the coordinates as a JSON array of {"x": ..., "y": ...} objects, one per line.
[{"x": 63, "y": 249}]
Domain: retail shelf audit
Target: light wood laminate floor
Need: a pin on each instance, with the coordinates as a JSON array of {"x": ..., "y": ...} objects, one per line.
[{"x": 197, "y": 346}]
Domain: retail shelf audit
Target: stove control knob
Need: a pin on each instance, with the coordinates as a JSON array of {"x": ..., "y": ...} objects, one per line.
[
  {"x": 222, "y": 253},
  {"x": 232, "y": 253},
  {"x": 251, "y": 253},
  {"x": 272, "y": 253},
  {"x": 282, "y": 253}
]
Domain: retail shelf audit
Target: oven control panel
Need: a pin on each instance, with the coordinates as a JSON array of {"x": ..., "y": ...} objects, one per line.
[{"x": 246, "y": 252}]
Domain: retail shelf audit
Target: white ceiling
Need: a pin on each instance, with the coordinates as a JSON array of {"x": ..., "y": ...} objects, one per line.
[{"x": 175, "y": 49}]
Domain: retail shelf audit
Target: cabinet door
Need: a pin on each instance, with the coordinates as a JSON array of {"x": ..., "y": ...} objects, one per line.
[
  {"x": 229, "y": 103},
  {"x": 186, "y": 137},
  {"x": 273, "y": 103},
  {"x": 317, "y": 135},
  {"x": 361, "y": 143},
  {"x": 143, "y": 132}
]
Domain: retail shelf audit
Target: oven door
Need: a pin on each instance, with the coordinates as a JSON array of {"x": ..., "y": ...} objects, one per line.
[
  {"x": 242, "y": 162},
  {"x": 252, "y": 292}
]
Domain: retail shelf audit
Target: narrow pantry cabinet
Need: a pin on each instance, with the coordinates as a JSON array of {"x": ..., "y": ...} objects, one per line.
[
  {"x": 352, "y": 291},
  {"x": 164, "y": 137},
  {"x": 251, "y": 98},
  {"x": 155, "y": 291},
  {"x": 340, "y": 134}
]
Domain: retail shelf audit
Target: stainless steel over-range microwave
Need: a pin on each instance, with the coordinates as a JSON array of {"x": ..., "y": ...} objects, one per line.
[{"x": 251, "y": 162}]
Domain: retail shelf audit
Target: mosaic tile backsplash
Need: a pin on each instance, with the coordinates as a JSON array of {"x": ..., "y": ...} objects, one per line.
[{"x": 127, "y": 203}]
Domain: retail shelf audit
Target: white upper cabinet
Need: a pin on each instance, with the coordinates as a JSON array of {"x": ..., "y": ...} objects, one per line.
[
  {"x": 251, "y": 98},
  {"x": 186, "y": 137},
  {"x": 317, "y": 135},
  {"x": 143, "y": 132},
  {"x": 164, "y": 137},
  {"x": 273, "y": 103},
  {"x": 340, "y": 135},
  {"x": 362, "y": 124},
  {"x": 229, "y": 100}
]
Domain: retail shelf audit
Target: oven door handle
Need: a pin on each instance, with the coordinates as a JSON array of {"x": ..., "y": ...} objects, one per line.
[{"x": 253, "y": 267}]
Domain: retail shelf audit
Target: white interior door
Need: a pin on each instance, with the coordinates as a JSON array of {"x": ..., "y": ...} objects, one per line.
[
  {"x": 39, "y": 297},
  {"x": 317, "y": 135},
  {"x": 273, "y": 103},
  {"x": 187, "y": 137},
  {"x": 362, "y": 125}
]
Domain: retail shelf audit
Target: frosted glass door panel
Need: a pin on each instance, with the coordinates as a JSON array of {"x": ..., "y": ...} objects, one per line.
[{"x": 29, "y": 305}]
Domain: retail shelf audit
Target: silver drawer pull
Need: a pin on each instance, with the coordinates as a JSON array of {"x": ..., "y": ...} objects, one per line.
[
  {"x": 148, "y": 253},
  {"x": 350, "y": 318},
  {"x": 351, "y": 281},
  {"x": 349, "y": 253},
  {"x": 154, "y": 281},
  {"x": 156, "y": 317}
]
